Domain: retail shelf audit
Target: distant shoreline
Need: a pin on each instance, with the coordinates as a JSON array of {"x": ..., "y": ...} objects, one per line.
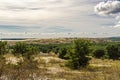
[
  {"x": 13, "y": 38},
  {"x": 24, "y": 39}
]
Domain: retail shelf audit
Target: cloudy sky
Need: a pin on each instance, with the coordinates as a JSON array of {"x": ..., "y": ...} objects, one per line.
[{"x": 94, "y": 17}]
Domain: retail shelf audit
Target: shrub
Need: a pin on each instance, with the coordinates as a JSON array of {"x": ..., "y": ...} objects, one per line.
[
  {"x": 113, "y": 51},
  {"x": 78, "y": 55},
  {"x": 31, "y": 51},
  {"x": 3, "y": 47},
  {"x": 20, "y": 48},
  {"x": 56, "y": 50},
  {"x": 63, "y": 52},
  {"x": 99, "y": 53}
]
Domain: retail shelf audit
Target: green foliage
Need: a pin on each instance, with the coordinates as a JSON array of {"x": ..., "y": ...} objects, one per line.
[
  {"x": 78, "y": 54},
  {"x": 113, "y": 51},
  {"x": 96, "y": 46},
  {"x": 20, "y": 48},
  {"x": 46, "y": 48},
  {"x": 81, "y": 47},
  {"x": 3, "y": 47},
  {"x": 33, "y": 50},
  {"x": 62, "y": 52},
  {"x": 99, "y": 53},
  {"x": 25, "y": 50},
  {"x": 56, "y": 50}
]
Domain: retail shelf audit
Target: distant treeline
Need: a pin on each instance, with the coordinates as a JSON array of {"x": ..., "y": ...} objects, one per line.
[
  {"x": 13, "y": 38},
  {"x": 115, "y": 38}
]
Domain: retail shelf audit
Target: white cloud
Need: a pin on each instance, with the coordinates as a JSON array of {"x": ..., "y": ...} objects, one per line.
[
  {"x": 107, "y": 8},
  {"x": 118, "y": 22}
]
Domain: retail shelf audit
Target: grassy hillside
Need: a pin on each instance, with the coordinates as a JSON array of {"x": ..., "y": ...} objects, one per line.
[
  {"x": 46, "y": 64},
  {"x": 50, "y": 67}
]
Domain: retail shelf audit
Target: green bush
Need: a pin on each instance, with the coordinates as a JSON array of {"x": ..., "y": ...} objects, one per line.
[
  {"x": 32, "y": 50},
  {"x": 113, "y": 51},
  {"x": 3, "y": 47},
  {"x": 63, "y": 52},
  {"x": 20, "y": 48},
  {"x": 99, "y": 53},
  {"x": 78, "y": 54}
]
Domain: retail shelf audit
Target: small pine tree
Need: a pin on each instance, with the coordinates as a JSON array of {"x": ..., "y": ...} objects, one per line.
[{"x": 78, "y": 54}]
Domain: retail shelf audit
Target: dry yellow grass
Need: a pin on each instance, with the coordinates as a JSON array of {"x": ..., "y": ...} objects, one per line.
[
  {"x": 52, "y": 68},
  {"x": 97, "y": 70}
]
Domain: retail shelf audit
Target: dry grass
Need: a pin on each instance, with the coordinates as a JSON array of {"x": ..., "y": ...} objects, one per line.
[
  {"x": 49, "y": 41},
  {"x": 11, "y": 59},
  {"x": 50, "y": 67},
  {"x": 42, "y": 41}
]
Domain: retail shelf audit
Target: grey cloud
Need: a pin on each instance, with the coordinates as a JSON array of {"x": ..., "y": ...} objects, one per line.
[
  {"x": 59, "y": 29},
  {"x": 39, "y": 8},
  {"x": 107, "y": 8},
  {"x": 19, "y": 8},
  {"x": 55, "y": 1}
]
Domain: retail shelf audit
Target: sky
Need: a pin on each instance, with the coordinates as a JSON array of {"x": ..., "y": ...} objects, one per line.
[{"x": 89, "y": 18}]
